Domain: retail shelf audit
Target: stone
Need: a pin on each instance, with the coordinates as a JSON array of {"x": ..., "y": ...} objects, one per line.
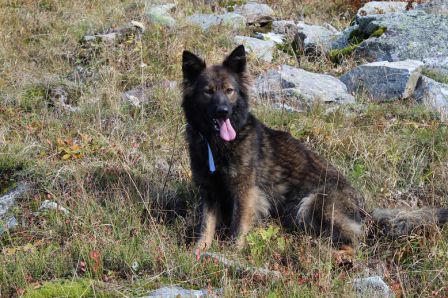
[
  {"x": 373, "y": 286},
  {"x": 275, "y": 37},
  {"x": 437, "y": 65},
  {"x": 381, "y": 7},
  {"x": 383, "y": 81},
  {"x": 142, "y": 94},
  {"x": 116, "y": 35},
  {"x": 8, "y": 200},
  {"x": 255, "y": 13},
  {"x": 59, "y": 97},
  {"x": 342, "y": 39},
  {"x": 299, "y": 89},
  {"x": 205, "y": 21},
  {"x": 439, "y": 7},
  {"x": 406, "y": 36},
  {"x": 313, "y": 38},
  {"x": 50, "y": 205},
  {"x": 160, "y": 14},
  {"x": 434, "y": 95},
  {"x": 263, "y": 49},
  {"x": 179, "y": 292},
  {"x": 284, "y": 27}
]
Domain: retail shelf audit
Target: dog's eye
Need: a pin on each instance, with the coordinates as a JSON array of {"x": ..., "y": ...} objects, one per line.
[
  {"x": 208, "y": 91},
  {"x": 229, "y": 90}
]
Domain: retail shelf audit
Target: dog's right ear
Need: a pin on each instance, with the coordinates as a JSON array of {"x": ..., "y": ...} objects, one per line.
[{"x": 192, "y": 66}]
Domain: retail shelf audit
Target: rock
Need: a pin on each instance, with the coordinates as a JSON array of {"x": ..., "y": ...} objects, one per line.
[
  {"x": 433, "y": 95},
  {"x": 142, "y": 95},
  {"x": 437, "y": 65},
  {"x": 160, "y": 14},
  {"x": 300, "y": 88},
  {"x": 439, "y": 7},
  {"x": 313, "y": 38},
  {"x": 50, "y": 205},
  {"x": 406, "y": 36},
  {"x": 383, "y": 81},
  {"x": 381, "y": 7},
  {"x": 10, "y": 224},
  {"x": 263, "y": 49},
  {"x": 372, "y": 286},
  {"x": 275, "y": 37},
  {"x": 205, "y": 21},
  {"x": 179, "y": 292},
  {"x": 9, "y": 199},
  {"x": 342, "y": 39},
  {"x": 255, "y": 13},
  {"x": 239, "y": 268},
  {"x": 116, "y": 35},
  {"x": 284, "y": 27}
]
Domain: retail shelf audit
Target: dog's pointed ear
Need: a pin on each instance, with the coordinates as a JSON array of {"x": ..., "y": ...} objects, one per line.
[
  {"x": 192, "y": 66},
  {"x": 236, "y": 61}
]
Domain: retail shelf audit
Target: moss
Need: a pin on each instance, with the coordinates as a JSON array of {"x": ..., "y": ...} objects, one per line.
[
  {"x": 63, "y": 288},
  {"x": 436, "y": 75},
  {"x": 336, "y": 56},
  {"x": 378, "y": 32}
]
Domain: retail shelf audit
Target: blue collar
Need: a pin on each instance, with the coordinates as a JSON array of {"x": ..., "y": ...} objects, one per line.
[{"x": 211, "y": 161}]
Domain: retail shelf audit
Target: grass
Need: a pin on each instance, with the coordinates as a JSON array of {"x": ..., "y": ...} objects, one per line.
[{"x": 123, "y": 172}]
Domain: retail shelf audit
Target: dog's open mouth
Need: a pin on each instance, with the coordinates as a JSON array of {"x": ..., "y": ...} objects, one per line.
[{"x": 225, "y": 129}]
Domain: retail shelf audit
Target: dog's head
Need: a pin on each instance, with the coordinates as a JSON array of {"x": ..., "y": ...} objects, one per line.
[{"x": 216, "y": 98}]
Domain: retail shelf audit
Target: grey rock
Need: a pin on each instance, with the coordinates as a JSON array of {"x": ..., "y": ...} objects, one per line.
[
  {"x": 434, "y": 95},
  {"x": 9, "y": 199},
  {"x": 299, "y": 89},
  {"x": 342, "y": 39},
  {"x": 263, "y": 49},
  {"x": 439, "y": 7},
  {"x": 51, "y": 205},
  {"x": 179, "y": 292},
  {"x": 383, "y": 81},
  {"x": 160, "y": 14},
  {"x": 10, "y": 224},
  {"x": 373, "y": 286},
  {"x": 437, "y": 65},
  {"x": 406, "y": 36},
  {"x": 284, "y": 27},
  {"x": 256, "y": 13},
  {"x": 381, "y": 7},
  {"x": 143, "y": 94},
  {"x": 205, "y": 21},
  {"x": 275, "y": 37},
  {"x": 240, "y": 268},
  {"x": 313, "y": 38}
]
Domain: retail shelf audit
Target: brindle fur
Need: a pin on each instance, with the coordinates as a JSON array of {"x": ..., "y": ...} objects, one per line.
[{"x": 263, "y": 171}]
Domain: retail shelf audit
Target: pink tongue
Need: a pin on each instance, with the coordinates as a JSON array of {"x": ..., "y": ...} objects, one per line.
[{"x": 226, "y": 130}]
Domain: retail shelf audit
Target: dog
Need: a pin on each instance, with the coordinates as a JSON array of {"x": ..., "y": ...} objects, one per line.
[{"x": 246, "y": 171}]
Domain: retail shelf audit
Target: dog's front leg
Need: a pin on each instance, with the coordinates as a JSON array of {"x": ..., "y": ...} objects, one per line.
[
  {"x": 243, "y": 213},
  {"x": 208, "y": 225}
]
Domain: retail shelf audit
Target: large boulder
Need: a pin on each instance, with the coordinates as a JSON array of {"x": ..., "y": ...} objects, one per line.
[
  {"x": 435, "y": 7},
  {"x": 381, "y": 7},
  {"x": 411, "y": 35},
  {"x": 434, "y": 95},
  {"x": 299, "y": 89},
  {"x": 256, "y": 13},
  {"x": 205, "y": 21},
  {"x": 313, "y": 38},
  {"x": 383, "y": 81},
  {"x": 263, "y": 49},
  {"x": 438, "y": 65}
]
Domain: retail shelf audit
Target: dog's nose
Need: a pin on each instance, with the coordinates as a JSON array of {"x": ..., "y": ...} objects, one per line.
[{"x": 222, "y": 111}]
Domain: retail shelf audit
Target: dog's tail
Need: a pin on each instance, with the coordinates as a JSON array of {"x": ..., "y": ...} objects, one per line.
[{"x": 400, "y": 222}]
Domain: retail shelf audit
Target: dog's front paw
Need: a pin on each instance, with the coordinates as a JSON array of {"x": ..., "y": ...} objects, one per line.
[
  {"x": 240, "y": 242},
  {"x": 202, "y": 245}
]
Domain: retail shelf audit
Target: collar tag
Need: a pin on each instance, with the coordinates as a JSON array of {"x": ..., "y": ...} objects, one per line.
[{"x": 211, "y": 161}]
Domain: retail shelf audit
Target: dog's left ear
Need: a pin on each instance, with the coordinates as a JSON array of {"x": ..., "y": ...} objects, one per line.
[
  {"x": 192, "y": 66},
  {"x": 236, "y": 61}
]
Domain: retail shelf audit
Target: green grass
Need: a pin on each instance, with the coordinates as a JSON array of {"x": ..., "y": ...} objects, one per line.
[{"x": 123, "y": 172}]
